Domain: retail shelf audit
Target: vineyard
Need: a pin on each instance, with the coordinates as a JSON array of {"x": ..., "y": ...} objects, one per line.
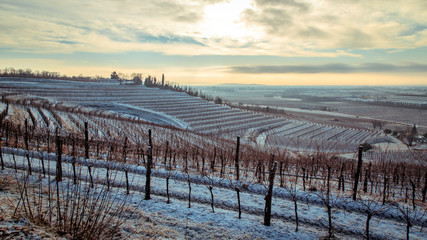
[
  {"x": 193, "y": 113},
  {"x": 180, "y": 152}
]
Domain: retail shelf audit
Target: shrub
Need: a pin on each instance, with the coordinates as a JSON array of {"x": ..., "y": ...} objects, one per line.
[{"x": 74, "y": 211}]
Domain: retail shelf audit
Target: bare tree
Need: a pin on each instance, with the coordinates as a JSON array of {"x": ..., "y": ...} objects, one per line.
[
  {"x": 295, "y": 193},
  {"x": 238, "y": 187},
  {"x": 269, "y": 196},
  {"x": 410, "y": 216},
  {"x": 210, "y": 187},
  {"x": 329, "y": 200},
  {"x": 372, "y": 206}
]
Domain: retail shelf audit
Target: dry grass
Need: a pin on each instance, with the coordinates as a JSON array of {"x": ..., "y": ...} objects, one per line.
[
  {"x": 13, "y": 226},
  {"x": 64, "y": 209}
]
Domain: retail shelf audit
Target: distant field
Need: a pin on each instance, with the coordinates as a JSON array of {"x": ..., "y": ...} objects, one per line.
[{"x": 334, "y": 98}]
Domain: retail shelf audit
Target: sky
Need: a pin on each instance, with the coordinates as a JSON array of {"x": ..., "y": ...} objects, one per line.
[{"x": 198, "y": 42}]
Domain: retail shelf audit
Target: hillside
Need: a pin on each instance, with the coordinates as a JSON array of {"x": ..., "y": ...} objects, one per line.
[
  {"x": 65, "y": 145},
  {"x": 180, "y": 110}
]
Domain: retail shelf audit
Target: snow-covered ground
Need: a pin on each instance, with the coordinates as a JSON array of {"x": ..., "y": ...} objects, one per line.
[{"x": 176, "y": 220}]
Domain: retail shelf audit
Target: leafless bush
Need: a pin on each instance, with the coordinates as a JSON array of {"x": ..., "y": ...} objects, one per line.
[
  {"x": 410, "y": 216},
  {"x": 75, "y": 211},
  {"x": 372, "y": 206}
]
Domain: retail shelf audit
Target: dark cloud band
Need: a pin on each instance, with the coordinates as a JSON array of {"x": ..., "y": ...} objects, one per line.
[{"x": 330, "y": 68}]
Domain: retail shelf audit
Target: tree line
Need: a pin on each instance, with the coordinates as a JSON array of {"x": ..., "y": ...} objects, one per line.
[
  {"x": 28, "y": 73},
  {"x": 153, "y": 82}
]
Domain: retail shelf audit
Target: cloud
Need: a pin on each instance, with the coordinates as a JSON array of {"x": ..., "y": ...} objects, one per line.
[
  {"x": 299, "y": 5},
  {"x": 265, "y": 27},
  {"x": 166, "y": 10},
  {"x": 124, "y": 34},
  {"x": 412, "y": 30},
  {"x": 312, "y": 32},
  {"x": 355, "y": 38},
  {"x": 109, "y": 26},
  {"x": 331, "y": 68},
  {"x": 67, "y": 42},
  {"x": 275, "y": 21},
  {"x": 275, "y": 16},
  {"x": 331, "y": 24}
]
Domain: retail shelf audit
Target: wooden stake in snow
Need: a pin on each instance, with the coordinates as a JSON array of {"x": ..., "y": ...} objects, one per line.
[
  {"x": 236, "y": 162},
  {"x": 149, "y": 164},
  {"x": 26, "y": 147},
  {"x": 356, "y": 177},
  {"x": 124, "y": 160},
  {"x": 269, "y": 196},
  {"x": 59, "y": 159},
  {"x": 7, "y": 131},
  {"x": 167, "y": 190},
  {"x": 1, "y": 157},
  {"x": 303, "y": 178},
  {"x": 73, "y": 161},
  {"x": 212, "y": 198},
  {"x": 189, "y": 190},
  {"x": 89, "y": 167},
  {"x": 424, "y": 192},
  {"x": 86, "y": 141},
  {"x": 238, "y": 202},
  {"x": 281, "y": 174},
  {"x": 328, "y": 204}
]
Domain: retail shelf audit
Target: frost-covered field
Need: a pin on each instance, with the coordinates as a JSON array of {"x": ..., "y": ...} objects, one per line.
[
  {"x": 398, "y": 106},
  {"x": 193, "y": 113},
  {"x": 194, "y": 145},
  {"x": 177, "y": 220}
]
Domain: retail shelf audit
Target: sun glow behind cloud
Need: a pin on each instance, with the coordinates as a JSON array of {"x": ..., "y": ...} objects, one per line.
[{"x": 223, "y": 20}]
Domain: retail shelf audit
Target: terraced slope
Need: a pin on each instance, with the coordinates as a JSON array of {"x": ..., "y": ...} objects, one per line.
[{"x": 183, "y": 111}]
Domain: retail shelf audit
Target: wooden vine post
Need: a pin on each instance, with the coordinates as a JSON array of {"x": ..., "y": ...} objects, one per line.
[
  {"x": 73, "y": 161},
  {"x": 424, "y": 191},
  {"x": 89, "y": 167},
  {"x": 237, "y": 188},
  {"x": 236, "y": 162},
  {"x": 59, "y": 159},
  {"x": 357, "y": 175},
  {"x": 149, "y": 165},
  {"x": 238, "y": 202},
  {"x": 58, "y": 176},
  {"x": 269, "y": 196},
  {"x": 86, "y": 141},
  {"x": 125, "y": 169},
  {"x": 109, "y": 159},
  {"x": 1, "y": 157},
  {"x": 27, "y": 154},
  {"x": 328, "y": 203}
]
